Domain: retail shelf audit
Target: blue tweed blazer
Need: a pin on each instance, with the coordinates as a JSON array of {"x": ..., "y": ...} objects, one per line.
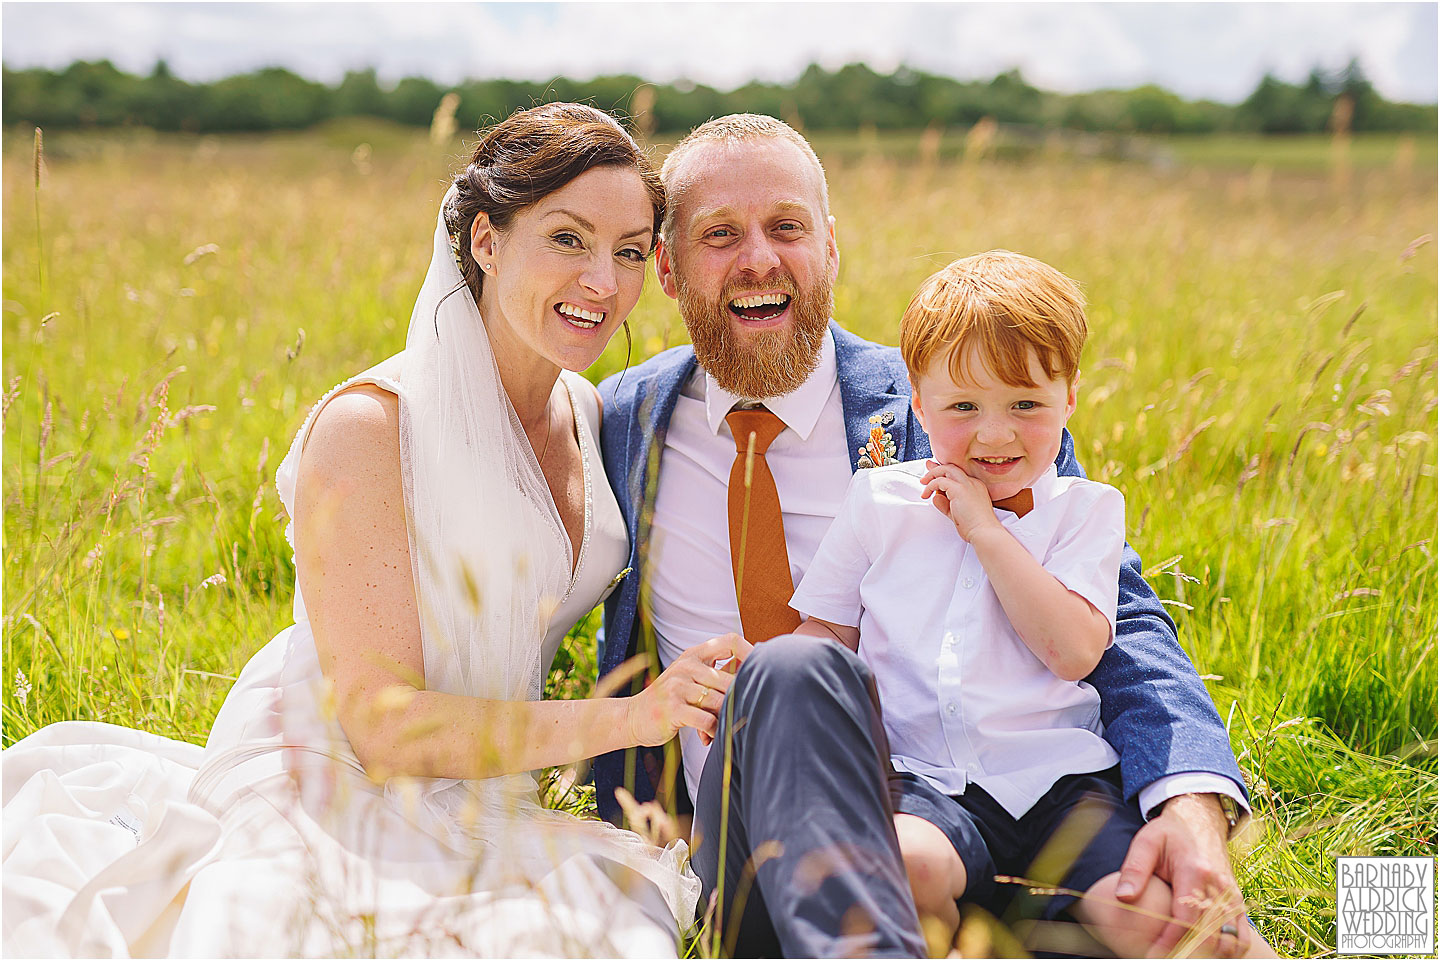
[{"x": 1157, "y": 714}]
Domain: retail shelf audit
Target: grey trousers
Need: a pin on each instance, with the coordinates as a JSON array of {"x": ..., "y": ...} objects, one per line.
[{"x": 794, "y": 792}]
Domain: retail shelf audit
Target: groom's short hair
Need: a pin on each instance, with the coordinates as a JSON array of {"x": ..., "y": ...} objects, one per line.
[{"x": 735, "y": 128}]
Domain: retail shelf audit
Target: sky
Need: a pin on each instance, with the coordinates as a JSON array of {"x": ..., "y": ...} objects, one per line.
[{"x": 1212, "y": 50}]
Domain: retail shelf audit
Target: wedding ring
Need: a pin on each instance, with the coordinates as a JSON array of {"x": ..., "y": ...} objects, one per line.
[
  {"x": 1230, "y": 929},
  {"x": 700, "y": 698}
]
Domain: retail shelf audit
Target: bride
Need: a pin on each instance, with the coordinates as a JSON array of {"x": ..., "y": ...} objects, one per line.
[{"x": 365, "y": 786}]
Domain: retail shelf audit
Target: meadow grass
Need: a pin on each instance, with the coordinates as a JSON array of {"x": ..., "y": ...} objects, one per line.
[{"x": 1260, "y": 381}]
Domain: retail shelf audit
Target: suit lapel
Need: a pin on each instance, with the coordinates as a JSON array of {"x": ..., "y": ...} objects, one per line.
[
  {"x": 648, "y": 433},
  {"x": 871, "y": 384}
]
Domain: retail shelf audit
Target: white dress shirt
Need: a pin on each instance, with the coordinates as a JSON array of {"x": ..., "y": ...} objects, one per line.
[
  {"x": 965, "y": 700},
  {"x": 690, "y": 585}
]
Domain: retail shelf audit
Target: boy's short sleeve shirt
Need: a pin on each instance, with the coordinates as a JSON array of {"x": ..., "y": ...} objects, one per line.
[{"x": 964, "y": 700}]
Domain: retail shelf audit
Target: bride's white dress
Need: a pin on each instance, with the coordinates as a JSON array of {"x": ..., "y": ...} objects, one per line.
[{"x": 272, "y": 841}]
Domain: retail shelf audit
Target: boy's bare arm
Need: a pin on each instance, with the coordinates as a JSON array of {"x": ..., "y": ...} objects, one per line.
[
  {"x": 815, "y": 627},
  {"x": 1062, "y": 628},
  {"x": 1059, "y": 626}
]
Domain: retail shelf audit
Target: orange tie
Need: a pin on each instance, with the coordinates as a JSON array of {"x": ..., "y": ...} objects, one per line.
[{"x": 758, "y": 557}]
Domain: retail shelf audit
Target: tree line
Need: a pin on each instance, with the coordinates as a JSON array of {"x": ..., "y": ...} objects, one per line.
[{"x": 97, "y": 94}]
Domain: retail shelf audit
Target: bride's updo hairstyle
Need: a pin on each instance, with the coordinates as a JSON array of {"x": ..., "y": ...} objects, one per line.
[{"x": 530, "y": 155}]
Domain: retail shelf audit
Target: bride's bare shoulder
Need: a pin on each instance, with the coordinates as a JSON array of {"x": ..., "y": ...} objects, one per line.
[{"x": 355, "y": 436}]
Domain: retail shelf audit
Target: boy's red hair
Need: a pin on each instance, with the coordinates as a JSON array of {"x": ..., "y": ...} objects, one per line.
[{"x": 1005, "y": 305}]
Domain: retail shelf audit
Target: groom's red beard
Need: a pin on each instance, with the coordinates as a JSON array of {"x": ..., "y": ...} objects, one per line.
[{"x": 766, "y": 363}]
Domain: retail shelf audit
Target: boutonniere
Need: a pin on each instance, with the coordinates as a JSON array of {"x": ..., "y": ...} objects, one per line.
[{"x": 880, "y": 449}]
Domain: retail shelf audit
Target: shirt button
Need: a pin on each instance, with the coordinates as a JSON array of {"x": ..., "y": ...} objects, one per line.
[
  {"x": 972, "y": 769},
  {"x": 968, "y": 583},
  {"x": 950, "y": 708}
]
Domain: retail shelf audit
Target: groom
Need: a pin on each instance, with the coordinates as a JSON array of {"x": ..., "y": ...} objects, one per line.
[{"x": 793, "y": 821}]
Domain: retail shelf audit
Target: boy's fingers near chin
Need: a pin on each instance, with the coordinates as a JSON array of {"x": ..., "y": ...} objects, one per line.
[{"x": 934, "y": 469}]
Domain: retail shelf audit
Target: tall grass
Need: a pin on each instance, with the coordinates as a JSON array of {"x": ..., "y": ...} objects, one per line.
[{"x": 1260, "y": 382}]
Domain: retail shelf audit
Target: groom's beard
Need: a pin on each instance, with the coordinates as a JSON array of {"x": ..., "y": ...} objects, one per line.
[{"x": 766, "y": 363}]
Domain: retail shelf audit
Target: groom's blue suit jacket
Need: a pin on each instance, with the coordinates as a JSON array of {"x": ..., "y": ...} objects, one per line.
[{"x": 1156, "y": 711}]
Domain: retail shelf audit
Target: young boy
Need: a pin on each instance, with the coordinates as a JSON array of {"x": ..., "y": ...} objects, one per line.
[{"x": 981, "y": 588}]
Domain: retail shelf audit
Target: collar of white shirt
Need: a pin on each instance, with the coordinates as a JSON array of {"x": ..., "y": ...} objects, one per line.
[{"x": 799, "y": 410}]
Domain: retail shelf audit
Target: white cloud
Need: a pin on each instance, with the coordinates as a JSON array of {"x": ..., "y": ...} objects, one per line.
[{"x": 1064, "y": 47}]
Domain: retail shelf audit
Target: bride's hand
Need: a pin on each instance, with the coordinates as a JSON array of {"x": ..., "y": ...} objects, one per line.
[{"x": 689, "y": 693}]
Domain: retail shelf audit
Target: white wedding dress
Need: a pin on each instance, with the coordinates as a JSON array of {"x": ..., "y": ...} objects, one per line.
[{"x": 271, "y": 841}]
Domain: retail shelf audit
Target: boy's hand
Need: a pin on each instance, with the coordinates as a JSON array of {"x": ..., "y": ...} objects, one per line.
[{"x": 965, "y": 500}]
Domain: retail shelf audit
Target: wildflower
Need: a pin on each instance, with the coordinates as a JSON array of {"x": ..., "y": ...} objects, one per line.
[
  {"x": 214, "y": 580},
  {"x": 46, "y": 424},
  {"x": 199, "y": 252},
  {"x": 649, "y": 819},
  {"x": 39, "y": 157},
  {"x": 22, "y": 686},
  {"x": 394, "y": 697}
]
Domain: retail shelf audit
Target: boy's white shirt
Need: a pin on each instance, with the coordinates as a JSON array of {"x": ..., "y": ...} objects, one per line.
[
  {"x": 965, "y": 700},
  {"x": 692, "y": 595}
]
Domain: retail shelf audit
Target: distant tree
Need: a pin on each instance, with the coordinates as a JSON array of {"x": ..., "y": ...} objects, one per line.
[
  {"x": 1320, "y": 85},
  {"x": 1013, "y": 100},
  {"x": 1275, "y": 107},
  {"x": 164, "y": 101},
  {"x": 359, "y": 94},
  {"x": 413, "y": 101},
  {"x": 1204, "y": 116},
  {"x": 22, "y": 97},
  {"x": 1100, "y": 110},
  {"x": 767, "y": 98},
  {"x": 271, "y": 98},
  {"x": 856, "y": 95},
  {"x": 1151, "y": 109},
  {"x": 98, "y": 94},
  {"x": 480, "y": 102},
  {"x": 683, "y": 105},
  {"x": 612, "y": 93},
  {"x": 1366, "y": 102},
  {"x": 938, "y": 99}
]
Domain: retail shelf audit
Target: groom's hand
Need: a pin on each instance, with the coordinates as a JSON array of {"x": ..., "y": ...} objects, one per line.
[
  {"x": 1185, "y": 846},
  {"x": 688, "y": 694}
]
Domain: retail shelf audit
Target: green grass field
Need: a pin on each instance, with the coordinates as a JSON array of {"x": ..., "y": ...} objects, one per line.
[{"x": 1260, "y": 382}]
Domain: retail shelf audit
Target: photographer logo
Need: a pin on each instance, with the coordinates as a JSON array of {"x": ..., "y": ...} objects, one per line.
[{"x": 1385, "y": 906}]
